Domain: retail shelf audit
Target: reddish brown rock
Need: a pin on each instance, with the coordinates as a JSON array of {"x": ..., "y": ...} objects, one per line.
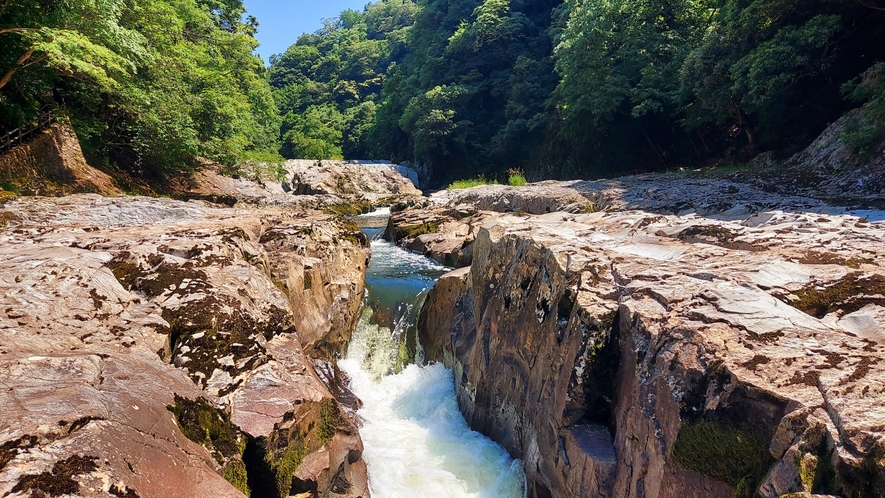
[
  {"x": 630, "y": 353},
  {"x": 52, "y": 163},
  {"x": 99, "y": 295}
]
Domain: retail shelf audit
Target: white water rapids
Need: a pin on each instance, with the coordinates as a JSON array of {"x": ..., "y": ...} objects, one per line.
[{"x": 417, "y": 443}]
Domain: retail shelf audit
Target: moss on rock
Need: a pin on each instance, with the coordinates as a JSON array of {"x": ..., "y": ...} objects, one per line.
[
  {"x": 10, "y": 449},
  {"x": 851, "y": 293},
  {"x": 718, "y": 450},
  {"x": 410, "y": 231},
  {"x": 352, "y": 208},
  {"x": 208, "y": 426},
  {"x": 60, "y": 481},
  {"x": 235, "y": 473}
]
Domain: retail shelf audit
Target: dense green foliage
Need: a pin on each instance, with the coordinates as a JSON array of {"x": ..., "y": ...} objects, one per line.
[
  {"x": 466, "y": 87},
  {"x": 148, "y": 85},
  {"x": 580, "y": 88},
  {"x": 328, "y": 83}
]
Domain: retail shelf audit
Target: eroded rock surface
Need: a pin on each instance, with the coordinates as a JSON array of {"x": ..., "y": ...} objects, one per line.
[
  {"x": 338, "y": 187},
  {"x": 351, "y": 178},
  {"x": 702, "y": 339},
  {"x": 155, "y": 348},
  {"x": 444, "y": 225}
]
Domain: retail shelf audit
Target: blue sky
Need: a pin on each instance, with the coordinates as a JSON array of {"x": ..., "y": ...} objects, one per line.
[{"x": 281, "y": 22}]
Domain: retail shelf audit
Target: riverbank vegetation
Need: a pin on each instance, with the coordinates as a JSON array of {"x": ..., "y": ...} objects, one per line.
[{"x": 464, "y": 87}]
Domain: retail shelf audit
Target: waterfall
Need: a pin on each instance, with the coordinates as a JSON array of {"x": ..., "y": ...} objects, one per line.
[{"x": 417, "y": 443}]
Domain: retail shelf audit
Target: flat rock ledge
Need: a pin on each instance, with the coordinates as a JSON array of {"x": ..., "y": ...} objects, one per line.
[
  {"x": 686, "y": 339},
  {"x": 158, "y": 348}
]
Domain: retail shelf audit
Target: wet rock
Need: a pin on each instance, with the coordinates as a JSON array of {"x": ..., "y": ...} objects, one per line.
[{"x": 643, "y": 353}]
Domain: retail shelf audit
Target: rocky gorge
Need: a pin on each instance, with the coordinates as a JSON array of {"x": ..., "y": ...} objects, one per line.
[
  {"x": 664, "y": 335},
  {"x": 160, "y": 347}
]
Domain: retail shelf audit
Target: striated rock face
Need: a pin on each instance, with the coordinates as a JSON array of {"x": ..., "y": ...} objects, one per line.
[
  {"x": 338, "y": 187},
  {"x": 155, "y": 348},
  {"x": 644, "y": 354},
  {"x": 53, "y": 164}
]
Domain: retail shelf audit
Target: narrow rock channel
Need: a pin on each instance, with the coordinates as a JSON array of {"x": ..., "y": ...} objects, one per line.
[{"x": 417, "y": 443}]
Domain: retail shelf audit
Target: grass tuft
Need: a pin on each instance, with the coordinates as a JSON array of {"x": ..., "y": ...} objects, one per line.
[{"x": 473, "y": 182}]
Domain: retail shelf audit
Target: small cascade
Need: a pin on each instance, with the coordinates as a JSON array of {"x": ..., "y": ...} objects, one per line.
[{"x": 416, "y": 440}]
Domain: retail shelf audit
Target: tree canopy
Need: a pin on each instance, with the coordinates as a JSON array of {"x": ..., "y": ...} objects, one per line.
[
  {"x": 151, "y": 85},
  {"x": 468, "y": 87},
  {"x": 591, "y": 87}
]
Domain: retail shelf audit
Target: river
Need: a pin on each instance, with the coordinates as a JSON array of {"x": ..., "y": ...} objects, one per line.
[{"x": 417, "y": 443}]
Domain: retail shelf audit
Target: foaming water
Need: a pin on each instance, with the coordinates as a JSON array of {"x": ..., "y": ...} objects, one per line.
[{"x": 417, "y": 443}]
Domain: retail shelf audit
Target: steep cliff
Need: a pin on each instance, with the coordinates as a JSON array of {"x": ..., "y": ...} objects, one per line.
[{"x": 631, "y": 353}]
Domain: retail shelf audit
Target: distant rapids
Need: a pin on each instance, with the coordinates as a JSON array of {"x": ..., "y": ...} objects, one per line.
[{"x": 416, "y": 440}]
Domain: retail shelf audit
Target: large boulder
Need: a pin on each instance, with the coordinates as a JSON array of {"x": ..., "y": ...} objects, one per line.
[
  {"x": 153, "y": 347},
  {"x": 364, "y": 178},
  {"x": 634, "y": 353}
]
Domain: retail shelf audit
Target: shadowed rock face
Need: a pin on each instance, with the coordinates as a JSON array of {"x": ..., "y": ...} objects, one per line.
[
  {"x": 644, "y": 354},
  {"x": 158, "y": 347},
  {"x": 52, "y": 163}
]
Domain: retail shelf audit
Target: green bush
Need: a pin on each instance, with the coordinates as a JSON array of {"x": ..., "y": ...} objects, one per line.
[{"x": 516, "y": 178}]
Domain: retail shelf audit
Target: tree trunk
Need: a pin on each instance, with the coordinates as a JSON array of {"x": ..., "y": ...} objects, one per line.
[{"x": 9, "y": 74}]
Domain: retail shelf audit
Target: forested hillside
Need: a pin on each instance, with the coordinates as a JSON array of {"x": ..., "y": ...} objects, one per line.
[
  {"x": 149, "y": 85},
  {"x": 581, "y": 88},
  {"x": 466, "y": 87}
]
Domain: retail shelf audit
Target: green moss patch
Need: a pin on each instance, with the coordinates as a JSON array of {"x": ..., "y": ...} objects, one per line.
[
  {"x": 208, "y": 426},
  {"x": 273, "y": 461},
  {"x": 816, "y": 470},
  {"x": 472, "y": 182},
  {"x": 352, "y": 233},
  {"x": 851, "y": 293},
  {"x": 720, "y": 451},
  {"x": 235, "y": 473},
  {"x": 330, "y": 420},
  {"x": 410, "y": 231},
  {"x": 60, "y": 480},
  {"x": 352, "y": 208}
]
